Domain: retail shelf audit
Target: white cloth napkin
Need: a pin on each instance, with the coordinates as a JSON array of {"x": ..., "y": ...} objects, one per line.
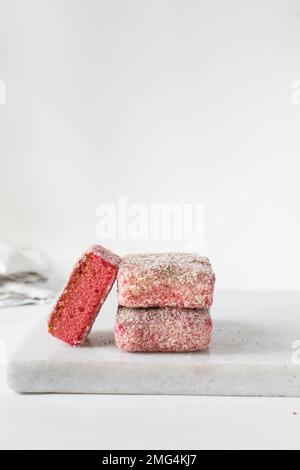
[{"x": 22, "y": 273}]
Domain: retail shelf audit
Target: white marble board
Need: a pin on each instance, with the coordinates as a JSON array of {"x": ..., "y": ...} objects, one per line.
[{"x": 251, "y": 355}]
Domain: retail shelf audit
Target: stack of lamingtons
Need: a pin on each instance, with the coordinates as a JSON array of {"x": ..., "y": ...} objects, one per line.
[
  {"x": 164, "y": 303},
  {"x": 164, "y": 300}
]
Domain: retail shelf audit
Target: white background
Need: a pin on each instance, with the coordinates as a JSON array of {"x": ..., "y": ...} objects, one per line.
[{"x": 161, "y": 101}]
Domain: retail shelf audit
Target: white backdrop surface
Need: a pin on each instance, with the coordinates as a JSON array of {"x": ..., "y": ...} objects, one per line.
[{"x": 163, "y": 102}]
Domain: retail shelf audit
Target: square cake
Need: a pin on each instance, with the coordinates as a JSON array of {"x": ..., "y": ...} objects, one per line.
[
  {"x": 163, "y": 329},
  {"x": 87, "y": 288},
  {"x": 179, "y": 280}
]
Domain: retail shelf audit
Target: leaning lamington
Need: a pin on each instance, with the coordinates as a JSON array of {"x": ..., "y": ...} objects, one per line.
[
  {"x": 79, "y": 304},
  {"x": 163, "y": 329},
  {"x": 166, "y": 280}
]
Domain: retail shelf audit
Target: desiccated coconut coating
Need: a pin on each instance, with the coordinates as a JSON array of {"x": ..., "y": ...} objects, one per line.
[
  {"x": 166, "y": 280},
  {"x": 79, "y": 304},
  {"x": 163, "y": 329}
]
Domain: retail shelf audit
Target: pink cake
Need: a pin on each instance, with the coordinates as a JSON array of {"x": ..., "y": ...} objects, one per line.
[
  {"x": 79, "y": 304},
  {"x": 166, "y": 280},
  {"x": 163, "y": 329}
]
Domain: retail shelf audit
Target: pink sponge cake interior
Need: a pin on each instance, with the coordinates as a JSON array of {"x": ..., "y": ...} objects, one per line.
[{"x": 80, "y": 302}]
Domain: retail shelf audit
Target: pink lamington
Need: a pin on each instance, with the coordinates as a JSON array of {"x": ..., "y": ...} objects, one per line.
[
  {"x": 166, "y": 280},
  {"x": 163, "y": 329},
  {"x": 79, "y": 304}
]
